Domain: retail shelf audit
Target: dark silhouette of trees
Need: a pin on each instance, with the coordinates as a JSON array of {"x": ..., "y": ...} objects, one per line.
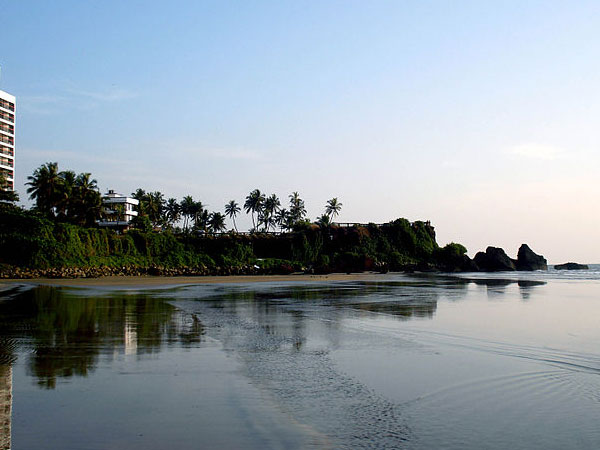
[
  {"x": 232, "y": 209},
  {"x": 254, "y": 204},
  {"x": 65, "y": 195}
]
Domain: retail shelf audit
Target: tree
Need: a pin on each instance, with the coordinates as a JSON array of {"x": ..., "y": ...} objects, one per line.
[
  {"x": 216, "y": 222},
  {"x": 172, "y": 212},
  {"x": 254, "y": 203},
  {"x": 232, "y": 209},
  {"x": 45, "y": 188},
  {"x": 154, "y": 206},
  {"x": 187, "y": 210},
  {"x": 282, "y": 219},
  {"x": 64, "y": 193},
  {"x": 324, "y": 221},
  {"x": 81, "y": 200},
  {"x": 333, "y": 208},
  {"x": 271, "y": 206},
  {"x": 200, "y": 216},
  {"x": 297, "y": 209}
]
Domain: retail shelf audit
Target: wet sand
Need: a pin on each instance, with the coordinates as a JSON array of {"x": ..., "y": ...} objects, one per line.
[{"x": 152, "y": 281}]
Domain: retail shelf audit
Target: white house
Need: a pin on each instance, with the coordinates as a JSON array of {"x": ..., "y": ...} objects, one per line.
[{"x": 118, "y": 210}]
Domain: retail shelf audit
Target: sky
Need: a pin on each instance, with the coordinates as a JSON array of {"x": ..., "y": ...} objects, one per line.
[{"x": 481, "y": 117}]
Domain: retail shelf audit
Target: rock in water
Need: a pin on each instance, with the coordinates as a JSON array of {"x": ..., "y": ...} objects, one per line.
[
  {"x": 494, "y": 260},
  {"x": 571, "y": 266},
  {"x": 528, "y": 260}
]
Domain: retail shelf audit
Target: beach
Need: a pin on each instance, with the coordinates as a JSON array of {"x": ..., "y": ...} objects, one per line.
[{"x": 155, "y": 281}]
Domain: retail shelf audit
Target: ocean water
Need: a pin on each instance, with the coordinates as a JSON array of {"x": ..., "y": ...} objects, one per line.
[{"x": 469, "y": 361}]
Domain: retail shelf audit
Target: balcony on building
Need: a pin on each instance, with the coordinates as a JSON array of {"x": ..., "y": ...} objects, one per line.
[{"x": 117, "y": 211}]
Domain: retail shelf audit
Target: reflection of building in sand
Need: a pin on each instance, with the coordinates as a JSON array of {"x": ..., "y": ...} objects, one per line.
[
  {"x": 130, "y": 337},
  {"x": 5, "y": 406}
]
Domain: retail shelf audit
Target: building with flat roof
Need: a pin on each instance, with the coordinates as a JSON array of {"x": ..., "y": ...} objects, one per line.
[
  {"x": 117, "y": 211},
  {"x": 7, "y": 139}
]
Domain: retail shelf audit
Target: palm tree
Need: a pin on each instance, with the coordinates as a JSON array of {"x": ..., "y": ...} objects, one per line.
[
  {"x": 155, "y": 203},
  {"x": 44, "y": 187},
  {"x": 271, "y": 206},
  {"x": 333, "y": 208},
  {"x": 254, "y": 203},
  {"x": 201, "y": 218},
  {"x": 297, "y": 208},
  {"x": 216, "y": 222},
  {"x": 199, "y": 215},
  {"x": 282, "y": 219},
  {"x": 172, "y": 211},
  {"x": 65, "y": 194},
  {"x": 140, "y": 196},
  {"x": 232, "y": 209},
  {"x": 86, "y": 201},
  {"x": 324, "y": 221},
  {"x": 187, "y": 209}
]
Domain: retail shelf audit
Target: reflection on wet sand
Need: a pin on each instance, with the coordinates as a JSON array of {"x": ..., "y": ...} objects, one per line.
[
  {"x": 67, "y": 334},
  {"x": 283, "y": 335},
  {"x": 5, "y": 405}
]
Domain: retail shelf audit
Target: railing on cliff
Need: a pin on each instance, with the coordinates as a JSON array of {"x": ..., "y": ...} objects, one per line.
[{"x": 279, "y": 233}]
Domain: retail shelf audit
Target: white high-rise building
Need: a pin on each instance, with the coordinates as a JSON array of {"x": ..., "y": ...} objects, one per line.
[{"x": 7, "y": 138}]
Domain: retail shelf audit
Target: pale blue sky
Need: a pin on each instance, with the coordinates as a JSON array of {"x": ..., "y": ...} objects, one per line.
[{"x": 480, "y": 116}]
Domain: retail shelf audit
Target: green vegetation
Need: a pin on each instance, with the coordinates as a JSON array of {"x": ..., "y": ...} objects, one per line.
[{"x": 61, "y": 232}]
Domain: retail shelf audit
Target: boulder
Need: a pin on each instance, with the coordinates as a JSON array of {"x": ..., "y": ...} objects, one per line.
[
  {"x": 528, "y": 260},
  {"x": 494, "y": 260},
  {"x": 571, "y": 266}
]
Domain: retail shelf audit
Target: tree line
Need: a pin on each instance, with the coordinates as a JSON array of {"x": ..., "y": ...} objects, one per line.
[{"x": 75, "y": 198}]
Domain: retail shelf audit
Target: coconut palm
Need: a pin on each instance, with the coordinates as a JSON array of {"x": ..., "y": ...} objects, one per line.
[
  {"x": 45, "y": 187},
  {"x": 333, "y": 208},
  {"x": 187, "y": 209},
  {"x": 282, "y": 219},
  {"x": 86, "y": 202},
  {"x": 65, "y": 195},
  {"x": 324, "y": 221},
  {"x": 172, "y": 211},
  {"x": 271, "y": 206},
  {"x": 297, "y": 208},
  {"x": 216, "y": 222},
  {"x": 154, "y": 206},
  {"x": 201, "y": 218},
  {"x": 140, "y": 196},
  {"x": 232, "y": 209},
  {"x": 254, "y": 204}
]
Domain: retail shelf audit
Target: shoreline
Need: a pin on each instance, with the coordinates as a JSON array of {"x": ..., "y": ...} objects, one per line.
[{"x": 158, "y": 281}]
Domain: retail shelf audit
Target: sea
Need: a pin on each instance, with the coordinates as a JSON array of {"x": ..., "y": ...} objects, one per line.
[{"x": 415, "y": 361}]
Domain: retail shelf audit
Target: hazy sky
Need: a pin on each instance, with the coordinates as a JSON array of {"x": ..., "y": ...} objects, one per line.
[{"x": 480, "y": 116}]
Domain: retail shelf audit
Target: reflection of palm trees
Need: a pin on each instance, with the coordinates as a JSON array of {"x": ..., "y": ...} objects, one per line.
[{"x": 69, "y": 332}]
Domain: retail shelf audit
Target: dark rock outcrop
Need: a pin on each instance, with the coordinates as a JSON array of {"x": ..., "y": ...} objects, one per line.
[
  {"x": 571, "y": 266},
  {"x": 459, "y": 263},
  {"x": 528, "y": 260},
  {"x": 494, "y": 260}
]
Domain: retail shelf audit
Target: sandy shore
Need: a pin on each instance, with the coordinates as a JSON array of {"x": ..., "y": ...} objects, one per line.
[{"x": 150, "y": 281}]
